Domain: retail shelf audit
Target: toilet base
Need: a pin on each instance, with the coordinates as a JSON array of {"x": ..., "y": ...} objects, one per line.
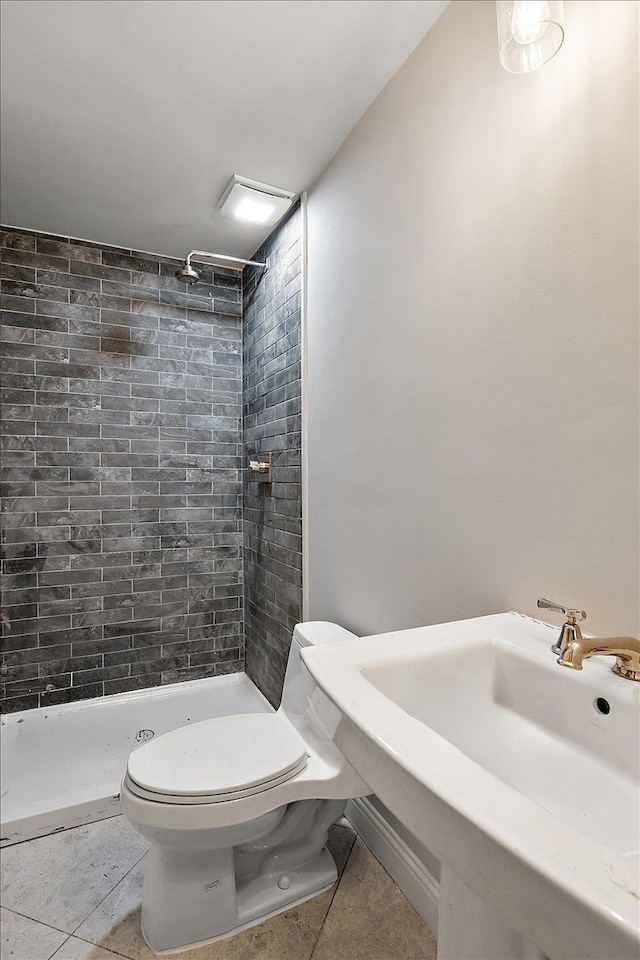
[{"x": 262, "y": 898}]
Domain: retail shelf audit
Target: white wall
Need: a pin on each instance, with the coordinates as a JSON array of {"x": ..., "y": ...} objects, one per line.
[{"x": 473, "y": 335}]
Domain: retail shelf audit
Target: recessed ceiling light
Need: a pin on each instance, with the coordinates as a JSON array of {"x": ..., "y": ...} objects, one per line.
[
  {"x": 256, "y": 210},
  {"x": 253, "y": 201}
]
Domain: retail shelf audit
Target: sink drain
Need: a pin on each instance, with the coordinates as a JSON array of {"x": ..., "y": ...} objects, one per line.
[{"x": 602, "y": 706}]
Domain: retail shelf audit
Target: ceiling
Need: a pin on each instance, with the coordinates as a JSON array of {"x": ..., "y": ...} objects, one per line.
[{"x": 123, "y": 120}]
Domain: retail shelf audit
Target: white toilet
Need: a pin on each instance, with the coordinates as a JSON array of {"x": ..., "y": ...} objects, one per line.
[{"x": 237, "y": 811}]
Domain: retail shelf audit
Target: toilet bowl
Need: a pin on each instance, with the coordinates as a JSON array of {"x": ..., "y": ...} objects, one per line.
[{"x": 237, "y": 811}]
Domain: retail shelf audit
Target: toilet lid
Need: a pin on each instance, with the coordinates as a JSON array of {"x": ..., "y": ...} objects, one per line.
[{"x": 222, "y": 758}]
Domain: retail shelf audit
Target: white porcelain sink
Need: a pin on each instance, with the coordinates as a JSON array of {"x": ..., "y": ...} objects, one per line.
[{"x": 505, "y": 765}]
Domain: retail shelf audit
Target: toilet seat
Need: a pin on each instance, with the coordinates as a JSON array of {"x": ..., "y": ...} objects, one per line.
[{"x": 215, "y": 760}]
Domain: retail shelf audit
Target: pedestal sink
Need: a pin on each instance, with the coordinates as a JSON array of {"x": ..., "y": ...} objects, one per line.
[{"x": 520, "y": 775}]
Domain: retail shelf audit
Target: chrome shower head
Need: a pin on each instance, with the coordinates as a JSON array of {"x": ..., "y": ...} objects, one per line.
[{"x": 187, "y": 274}]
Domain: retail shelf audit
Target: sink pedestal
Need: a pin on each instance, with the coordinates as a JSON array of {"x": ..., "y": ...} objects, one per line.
[{"x": 469, "y": 929}]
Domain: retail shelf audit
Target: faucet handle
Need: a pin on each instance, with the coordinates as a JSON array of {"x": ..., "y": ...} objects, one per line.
[
  {"x": 570, "y": 630},
  {"x": 572, "y": 615}
]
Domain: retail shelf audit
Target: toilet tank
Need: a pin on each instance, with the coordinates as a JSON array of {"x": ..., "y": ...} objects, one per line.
[
  {"x": 306, "y": 635},
  {"x": 319, "y": 631}
]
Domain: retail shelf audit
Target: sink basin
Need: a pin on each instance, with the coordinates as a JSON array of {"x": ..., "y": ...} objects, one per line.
[
  {"x": 519, "y": 774},
  {"x": 525, "y": 720}
]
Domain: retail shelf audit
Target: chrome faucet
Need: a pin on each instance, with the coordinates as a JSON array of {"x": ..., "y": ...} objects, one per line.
[{"x": 573, "y": 648}]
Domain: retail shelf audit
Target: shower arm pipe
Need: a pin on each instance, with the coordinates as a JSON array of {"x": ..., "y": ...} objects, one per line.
[{"x": 227, "y": 259}]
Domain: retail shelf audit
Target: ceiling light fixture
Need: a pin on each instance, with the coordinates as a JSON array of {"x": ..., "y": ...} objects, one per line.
[
  {"x": 530, "y": 32},
  {"x": 253, "y": 201}
]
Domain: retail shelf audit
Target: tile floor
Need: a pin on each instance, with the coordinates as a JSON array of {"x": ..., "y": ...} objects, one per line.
[{"x": 76, "y": 896}]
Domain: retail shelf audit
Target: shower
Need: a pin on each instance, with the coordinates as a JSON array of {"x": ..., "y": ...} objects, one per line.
[{"x": 188, "y": 274}]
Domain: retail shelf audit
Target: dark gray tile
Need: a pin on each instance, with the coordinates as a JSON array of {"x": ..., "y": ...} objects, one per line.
[
  {"x": 71, "y": 694},
  {"x": 272, "y": 594},
  {"x": 109, "y": 514}
]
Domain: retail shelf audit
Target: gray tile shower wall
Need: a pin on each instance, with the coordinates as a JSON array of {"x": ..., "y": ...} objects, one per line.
[
  {"x": 121, "y": 471},
  {"x": 272, "y": 424}
]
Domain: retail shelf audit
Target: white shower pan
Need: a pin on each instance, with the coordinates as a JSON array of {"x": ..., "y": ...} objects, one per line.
[{"x": 62, "y": 766}]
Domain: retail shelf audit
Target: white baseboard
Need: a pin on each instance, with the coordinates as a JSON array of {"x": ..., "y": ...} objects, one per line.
[{"x": 417, "y": 883}]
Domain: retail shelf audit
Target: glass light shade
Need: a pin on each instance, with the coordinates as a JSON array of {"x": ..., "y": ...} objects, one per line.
[{"x": 530, "y": 32}]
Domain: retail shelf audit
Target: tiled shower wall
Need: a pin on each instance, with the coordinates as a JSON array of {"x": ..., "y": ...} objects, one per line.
[
  {"x": 272, "y": 424},
  {"x": 121, "y": 422}
]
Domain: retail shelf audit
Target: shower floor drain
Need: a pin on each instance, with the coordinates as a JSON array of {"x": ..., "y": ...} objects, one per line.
[{"x": 143, "y": 735}]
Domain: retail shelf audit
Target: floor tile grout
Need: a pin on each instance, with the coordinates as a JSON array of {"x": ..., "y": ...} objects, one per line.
[
  {"x": 335, "y": 892},
  {"x": 93, "y": 909},
  {"x": 61, "y": 945},
  {"x": 74, "y": 935},
  {"x": 307, "y": 935},
  {"x": 34, "y": 920},
  {"x": 106, "y": 949}
]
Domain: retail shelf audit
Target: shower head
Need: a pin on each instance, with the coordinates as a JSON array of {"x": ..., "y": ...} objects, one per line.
[{"x": 186, "y": 273}]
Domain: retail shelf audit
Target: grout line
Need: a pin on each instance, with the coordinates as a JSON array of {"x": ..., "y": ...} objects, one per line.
[
  {"x": 93, "y": 909},
  {"x": 108, "y": 950},
  {"x": 99, "y": 904},
  {"x": 61, "y": 945},
  {"x": 41, "y": 922},
  {"x": 335, "y": 893}
]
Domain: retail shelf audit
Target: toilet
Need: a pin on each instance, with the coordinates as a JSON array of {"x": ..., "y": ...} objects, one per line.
[{"x": 237, "y": 811}]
